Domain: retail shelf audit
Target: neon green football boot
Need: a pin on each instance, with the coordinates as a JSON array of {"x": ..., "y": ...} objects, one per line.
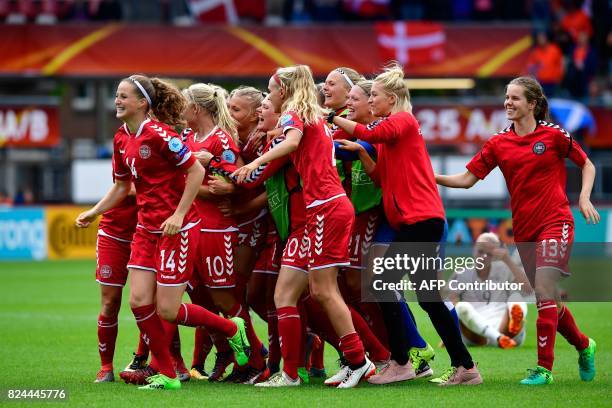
[
  {"x": 444, "y": 377},
  {"x": 303, "y": 374},
  {"x": 161, "y": 382},
  {"x": 586, "y": 361},
  {"x": 240, "y": 343},
  {"x": 539, "y": 376}
]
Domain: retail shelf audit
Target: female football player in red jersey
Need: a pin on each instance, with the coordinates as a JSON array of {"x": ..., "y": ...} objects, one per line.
[
  {"x": 531, "y": 154},
  {"x": 167, "y": 178},
  {"x": 214, "y": 130},
  {"x": 329, "y": 213},
  {"x": 115, "y": 233},
  {"x": 257, "y": 236},
  {"x": 414, "y": 209}
]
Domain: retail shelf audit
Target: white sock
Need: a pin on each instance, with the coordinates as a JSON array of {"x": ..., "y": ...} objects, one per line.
[{"x": 476, "y": 323}]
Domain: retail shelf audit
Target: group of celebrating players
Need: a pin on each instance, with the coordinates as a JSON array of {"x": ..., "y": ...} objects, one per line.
[{"x": 277, "y": 202}]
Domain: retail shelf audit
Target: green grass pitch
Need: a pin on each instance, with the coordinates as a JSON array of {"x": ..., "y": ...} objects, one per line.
[{"x": 48, "y": 314}]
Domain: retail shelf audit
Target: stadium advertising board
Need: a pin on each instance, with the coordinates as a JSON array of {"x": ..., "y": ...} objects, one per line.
[
  {"x": 426, "y": 49},
  {"x": 29, "y": 126},
  {"x": 67, "y": 241},
  {"x": 23, "y": 234},
  {"x": 464, "y": 226},
  {"x": 464, "y": 124}
]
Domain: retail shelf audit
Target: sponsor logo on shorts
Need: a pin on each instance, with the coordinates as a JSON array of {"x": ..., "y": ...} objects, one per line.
[
  {"x": 169, "y": 277},
  {"x": 539, "y": 148},
  {"x": 106, "y": 271},
  {"x": 144, "y": 151}
]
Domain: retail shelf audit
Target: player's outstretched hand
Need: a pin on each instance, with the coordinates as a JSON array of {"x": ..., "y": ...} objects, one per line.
[
  {"x": 588, "y": 211},
  {"x": 172, "y": 225},
  {"x": 244, "y": 172},
  {"x": 85, "y": 219}
]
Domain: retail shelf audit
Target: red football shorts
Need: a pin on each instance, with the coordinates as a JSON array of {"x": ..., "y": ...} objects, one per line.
[
  {"x": 364, "y": 230},
  {"x": 551, "y": 248},
  {"x": 112, "y": 257},
  {"x": 295, "y": 253},
  {"x": 269, "y": 258},
  {"x": 253, "y": 234},
  {"x": 328, "y": 231},
  {"x": 171, "y": 257},
  {"x": 215, "y": 264}
]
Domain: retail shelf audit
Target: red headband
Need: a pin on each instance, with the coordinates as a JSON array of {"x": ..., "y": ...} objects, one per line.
[{"x": 277, "y": 80}]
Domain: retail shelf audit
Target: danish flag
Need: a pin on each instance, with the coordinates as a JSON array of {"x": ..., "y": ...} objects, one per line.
[{"x": 411, "y": 43}]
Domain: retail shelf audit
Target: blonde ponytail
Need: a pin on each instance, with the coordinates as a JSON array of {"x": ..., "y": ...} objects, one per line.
[
  {"x": 212, "y": 98},
  {"x": 301, "y": 93},
  {"x": 392, "y": 81}
]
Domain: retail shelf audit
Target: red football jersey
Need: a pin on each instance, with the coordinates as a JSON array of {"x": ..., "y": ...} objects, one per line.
[
  {"x": 534, "y": 168},
  {"x": 403, "y": 168},
  {"x": 314, "y": 160},
  {"x": 220, "y": 144},
  {"x": 120, "y": 222},
  {"x": 155, "y": 159}
]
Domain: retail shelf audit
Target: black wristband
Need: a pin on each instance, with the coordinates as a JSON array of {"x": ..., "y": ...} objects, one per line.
[{"x": 330, "y": 117}]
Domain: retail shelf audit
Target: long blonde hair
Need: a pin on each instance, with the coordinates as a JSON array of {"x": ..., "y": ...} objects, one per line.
[
  {"x": 301, "y": 93},
  {"x": 392, "y": 81},
  {"x": 213, "y": 98}
]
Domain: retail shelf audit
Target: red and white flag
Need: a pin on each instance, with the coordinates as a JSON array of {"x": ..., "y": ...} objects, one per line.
[
  {"x": 411, "y": 43},
  {"x": 223, "y": 11}
]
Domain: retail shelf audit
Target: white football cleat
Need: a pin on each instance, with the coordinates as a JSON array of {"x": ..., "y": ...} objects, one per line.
[
  {"x": 280, "y": 380},
  {"x": 337, "y": 378},
  {"x": 353, "y": 377}
]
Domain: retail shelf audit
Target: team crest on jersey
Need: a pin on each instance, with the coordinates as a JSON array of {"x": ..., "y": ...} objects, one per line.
[
  {"x": 286, "y": 120},
  {"x": 106, "y": 271},
  {"x": 228, "y": 156},
  {"x": 539, "y": 148},
  {"x": 144, "y": 151},
  {"x": 175, "y": 145}
]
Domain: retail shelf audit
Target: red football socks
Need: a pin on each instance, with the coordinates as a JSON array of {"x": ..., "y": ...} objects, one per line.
[
  {"x": 376, "y": 350},
  {"x": 194, "y": 316},
  {"x": 289, "y": 330},
  {"x": 153, "y": 334},
  {"x": 352, "y": 349},
  {"x": 275, "y": 352},
  {"x": 568, "y": 329},
  {"x": 107, "y": 336},
  {"x": 546, "y": 328}
]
